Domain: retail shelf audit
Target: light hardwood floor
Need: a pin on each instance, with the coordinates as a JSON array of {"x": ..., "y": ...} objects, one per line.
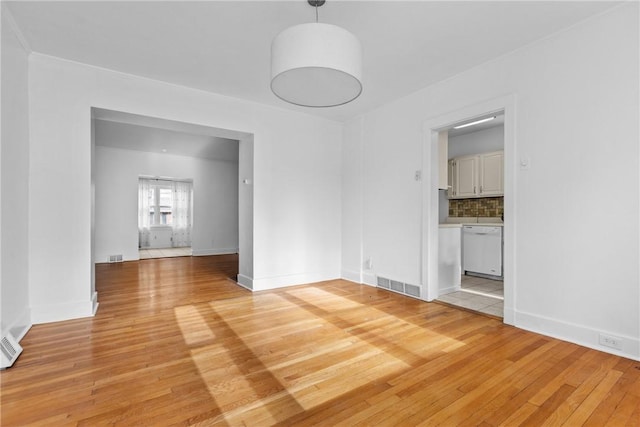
[{"x": 177, "y": 342}]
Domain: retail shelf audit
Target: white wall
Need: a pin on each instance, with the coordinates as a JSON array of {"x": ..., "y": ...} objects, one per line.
[
  {"x": 245, "y": 215},
  {"x": 576, "y": 264},
  {"x": 14, "y": 260},
  {"x": 483, "y": 141},
  {"x": 295, "y": 183},
  {"x": 215, "y": 200},
  {"x": 352, "y": 262}
]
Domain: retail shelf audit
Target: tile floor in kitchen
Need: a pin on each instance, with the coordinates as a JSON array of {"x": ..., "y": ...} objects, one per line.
[
  {"x": 164, "y": 253},
  {"x": 478, "y": 294}
]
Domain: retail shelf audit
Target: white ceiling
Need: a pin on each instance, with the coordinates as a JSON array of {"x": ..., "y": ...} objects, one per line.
[
  {"x": 134, "y": 132},
  {"x": 141, "y": 138},
  {"x": 224, "y": 46}
]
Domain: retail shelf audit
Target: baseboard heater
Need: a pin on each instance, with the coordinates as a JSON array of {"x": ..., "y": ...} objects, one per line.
[
  {"x": 10, "y": 350},
  {"x": 399, "y": 287}
]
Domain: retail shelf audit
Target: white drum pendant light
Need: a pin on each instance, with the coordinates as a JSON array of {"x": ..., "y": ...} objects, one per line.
[{"x": 316, "y": 65}]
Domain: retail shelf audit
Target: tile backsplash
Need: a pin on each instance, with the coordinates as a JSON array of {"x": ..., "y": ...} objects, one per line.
[{"x": 486, "y": 207}]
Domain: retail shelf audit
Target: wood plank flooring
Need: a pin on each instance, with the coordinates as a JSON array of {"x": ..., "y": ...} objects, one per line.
[{"x": 177, "y": 342}]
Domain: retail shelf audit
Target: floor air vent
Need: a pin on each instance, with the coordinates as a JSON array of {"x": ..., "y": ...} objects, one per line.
[
  {"x": 402, "y": 288},
  {"x": 10, "y": 351}
]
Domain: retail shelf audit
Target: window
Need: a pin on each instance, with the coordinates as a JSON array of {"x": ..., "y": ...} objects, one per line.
[
  {"x": 160, "y": 204},
  {"x": 164, "y": 203}
]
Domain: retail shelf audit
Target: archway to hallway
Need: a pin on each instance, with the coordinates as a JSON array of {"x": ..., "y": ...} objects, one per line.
[{"x": 243, "y": 197}]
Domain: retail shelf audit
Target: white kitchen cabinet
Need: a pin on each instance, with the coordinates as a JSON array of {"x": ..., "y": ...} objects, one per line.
[
  {"x": 463, "y": 173},
  {"x": 479, "y": 175},
  {"x": 453, "y": 183},
  {"x": 449, "y": 258},
  {"x": 491, "y": 174},
  {"x": 466, "y": 176}
]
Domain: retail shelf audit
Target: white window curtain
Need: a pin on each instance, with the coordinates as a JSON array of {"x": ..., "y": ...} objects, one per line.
[
  {"x": 182, "y": 194},
  {"x": 144, "y": 204}
]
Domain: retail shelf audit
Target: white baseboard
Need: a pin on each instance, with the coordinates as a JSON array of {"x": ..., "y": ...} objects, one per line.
[
  {"x": 21, "y": 332},
  {"x": 509, "y": 316},
  {"x": 577, "y": 334},
  {"x": 352, "y": 276},
  {"x": 245, "y": 282},
  {"x": 221, "y": 251},
  {"x": 291, "y": 280},
  {"x": 369, "y": 279},
  {"x": 64, "y": 311},
  {"x": 94, "y": 303},
  {"x": 20, "y": 326},
  {"x": 128, "y": 256}
]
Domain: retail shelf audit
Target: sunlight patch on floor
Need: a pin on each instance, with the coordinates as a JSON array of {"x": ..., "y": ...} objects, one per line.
[
  {"x": 374, "y": 320},
  {"x": 267, "y": 357},
  {"x": 323, "y": 299},
  {"x": 318, "y": 369},
  {"x": 193, "y": 326},
  {"x": 228, "y": 384}
]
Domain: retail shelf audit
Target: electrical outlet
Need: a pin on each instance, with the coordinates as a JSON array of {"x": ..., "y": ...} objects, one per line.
[{"x": 611, "y": 341}]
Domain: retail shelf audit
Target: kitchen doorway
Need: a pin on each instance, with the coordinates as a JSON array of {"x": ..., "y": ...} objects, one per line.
[
  {"x": 445, "y": 214},
  {"x": 471, "y": 209}
]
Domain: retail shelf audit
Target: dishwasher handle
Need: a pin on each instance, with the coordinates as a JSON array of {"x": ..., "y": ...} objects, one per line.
[{"x": 481, "y": 230}]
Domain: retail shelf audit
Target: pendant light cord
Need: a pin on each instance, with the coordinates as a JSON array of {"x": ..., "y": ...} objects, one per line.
[{"x": 316, "y": 12}]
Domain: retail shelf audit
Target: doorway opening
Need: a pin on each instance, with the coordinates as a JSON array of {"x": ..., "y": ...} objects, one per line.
[
  {"x": 471, "y": 214},
  {"x": 468, "y": 208},
  {"x": 200, "y": 194}
]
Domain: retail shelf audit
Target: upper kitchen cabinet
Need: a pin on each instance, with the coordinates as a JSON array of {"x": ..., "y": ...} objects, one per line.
[
  {"x": 479, "y": 175},
  {"x": 491, "y": 174},
  {"x": 466, "y": 176},
  {"x": 452, "y": 180}
]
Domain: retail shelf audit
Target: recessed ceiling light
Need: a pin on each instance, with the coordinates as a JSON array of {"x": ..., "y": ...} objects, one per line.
[
  {"x": 164, "y": 150},
  {"x": 477, "y": 122}
]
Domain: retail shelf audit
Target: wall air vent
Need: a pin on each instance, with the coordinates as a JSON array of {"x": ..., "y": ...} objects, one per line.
[
  {"x": 383, "y": 283},
  {"x": 397, "y": 286},
  {"x": 400, "y": 287},
  {"x": 10, "y": 350},
  {"x": 412, "y": 290},
  {"x": 115, "y": 258}
]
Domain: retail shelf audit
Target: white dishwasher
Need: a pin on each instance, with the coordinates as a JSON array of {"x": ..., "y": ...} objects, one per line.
[{"x": 482, "y": 249}]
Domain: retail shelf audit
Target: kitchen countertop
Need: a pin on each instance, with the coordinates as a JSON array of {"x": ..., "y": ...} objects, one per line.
[
  {"x": 480, "y": 221},
  {"x": 480, "y": 224}
]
